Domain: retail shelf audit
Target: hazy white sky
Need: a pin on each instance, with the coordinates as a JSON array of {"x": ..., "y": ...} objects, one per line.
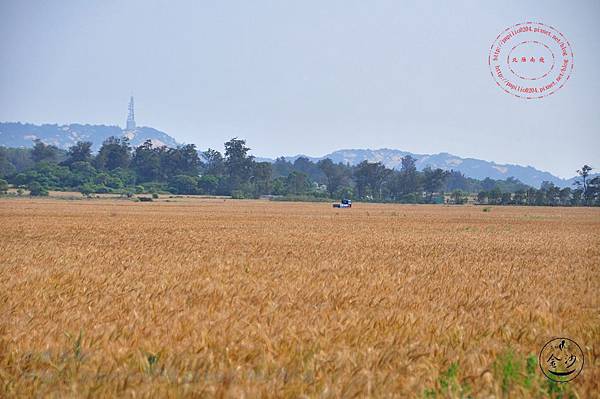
[{"x": 303, "y": 76}]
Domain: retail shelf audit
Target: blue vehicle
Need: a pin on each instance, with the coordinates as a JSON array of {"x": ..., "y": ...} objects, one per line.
[{"x": 346, "y": 203}]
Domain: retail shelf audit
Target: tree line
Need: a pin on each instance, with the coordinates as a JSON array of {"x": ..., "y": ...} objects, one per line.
[{"x": 120, "y": 168}]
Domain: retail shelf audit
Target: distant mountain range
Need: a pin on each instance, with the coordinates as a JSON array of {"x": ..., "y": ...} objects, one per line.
[
  {"x": 470, "y": 167},
  {"x": 63, "y": 136},
  {"x": 22, "y": 135}
]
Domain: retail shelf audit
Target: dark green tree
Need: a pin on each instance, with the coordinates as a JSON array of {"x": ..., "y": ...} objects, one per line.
[
  {"x": 530, "y": 196},
  {"x": 42, "y": 152},
  {"x": 482, "y": 197},
  {"x": 505, "y": 198},
  {"x": 297, "y": 183},
  {"x": 594, "y": 191},
  {"x": 183, "y": 184},
  {"x": 6, "y": 166},
  {"x": 36, "y": 189},
  {"x": 282, "y": 167},
  {"x": 584, "y": 173},
  {"x": 208, "y": 184},
  {"x": 457, "y": 181},
  {"x": 565, "y": 196},
  {"x": 82, "y": 172},
  {"x": 433, "y": 181},
  {"x": 261, "y": 177},
  {"x": 405, "y": 184},
  {"x": 336, "y": 175},
  {"x": 488, "y": 184},
  {"x": 146, "y": 162},
  {"x": 15, "y": 160},
  {"x": 577, "y": 196},
  {"x": 408, "y": 176},
  {"x": 458, "y": 197},
  {"x": 183, "y": 160},
  {"x": 125, "y": 175},
  {"x": 114, "y": 153},
  {"x": 278, "y": 186},
  {"x": 369, "y": 178},
  {"x": 495, "y": 195},
  {"x": 238, "y": 163},
  {"x": 80, "y": 152},
  {"x": 213, "y": 163},
  {"x": 87, "y": 189},
  {"x": 552, "y": 193},
  {"x": 309, "y": 168}
]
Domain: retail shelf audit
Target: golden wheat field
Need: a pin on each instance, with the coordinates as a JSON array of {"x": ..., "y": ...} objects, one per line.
[{"x": 244, "y": 299}]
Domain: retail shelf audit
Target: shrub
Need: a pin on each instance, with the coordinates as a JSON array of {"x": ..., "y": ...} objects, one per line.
[
  {"x": 300, "y": 198},
  {"x": 102, "y": 189},
  {"x": 3, "y": 186},
  {"x": 114, "y": 182},
  {"x": 238, "y": 194},
  {"x": 86, "y": 189},
  {"x": 155, "y": 187},
  {"x": 89, "y": 188},
  {"x": 412, "y": 198},
  {"x": 37, "y": 190},
  {"x": 208, "y": 184},
  {"x": 183, "y": 184}
]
